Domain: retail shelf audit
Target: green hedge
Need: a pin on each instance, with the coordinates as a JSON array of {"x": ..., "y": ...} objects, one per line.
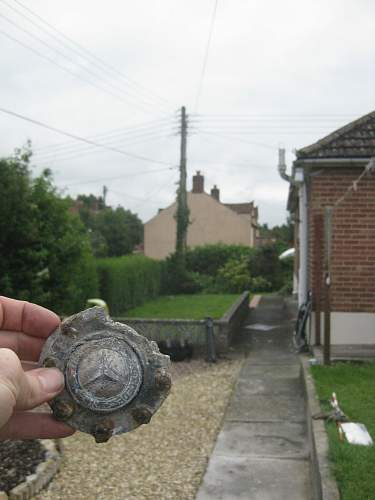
[
  {"x": 128, "y": 281},
  {"x": 208, "y": 259}
]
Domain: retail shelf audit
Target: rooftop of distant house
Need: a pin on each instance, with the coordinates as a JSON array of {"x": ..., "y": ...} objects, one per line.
[{"x": 239, "y": 208}]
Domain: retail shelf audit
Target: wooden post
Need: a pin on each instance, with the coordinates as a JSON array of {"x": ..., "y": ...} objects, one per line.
[
  {"x": 182, "y": 213},
  {"x": 318, "y": 270},
  {"x": 327, "y": 284}
]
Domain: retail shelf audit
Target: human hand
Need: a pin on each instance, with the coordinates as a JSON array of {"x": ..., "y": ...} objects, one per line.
[{"x": 24, "y": 327}]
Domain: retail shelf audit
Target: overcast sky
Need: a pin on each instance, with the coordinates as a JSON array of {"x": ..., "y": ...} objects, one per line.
[{"x": 278, "y": 73}]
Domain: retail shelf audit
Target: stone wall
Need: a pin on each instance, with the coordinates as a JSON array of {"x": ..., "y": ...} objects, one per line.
[{"x": 193, "y": 331}]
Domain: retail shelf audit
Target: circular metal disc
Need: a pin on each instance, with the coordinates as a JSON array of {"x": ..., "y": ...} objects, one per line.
[
  {"x": 115, "y": 379},
  {"x": 104, "y": 375}
]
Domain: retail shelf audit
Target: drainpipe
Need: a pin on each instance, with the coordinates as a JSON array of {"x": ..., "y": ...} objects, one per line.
[{"x": 298, "y": 181}]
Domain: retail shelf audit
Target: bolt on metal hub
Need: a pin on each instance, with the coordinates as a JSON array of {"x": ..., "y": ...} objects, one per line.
[{"x": 115, "y": 379}]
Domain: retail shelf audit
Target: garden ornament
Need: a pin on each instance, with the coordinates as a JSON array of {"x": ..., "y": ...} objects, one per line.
[{"x": 115, "y": 379}]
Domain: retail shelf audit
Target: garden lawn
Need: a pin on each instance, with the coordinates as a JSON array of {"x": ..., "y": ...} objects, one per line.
[
  {"x": 354, "y": 385},
  {"x": 184, "y": 307}
]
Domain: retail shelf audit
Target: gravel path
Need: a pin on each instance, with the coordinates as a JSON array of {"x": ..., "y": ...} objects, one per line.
[{"x": 163, "y": 460}]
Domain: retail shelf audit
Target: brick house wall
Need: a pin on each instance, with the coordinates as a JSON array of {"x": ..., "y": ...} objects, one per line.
[{"x": 353, "y": 239}]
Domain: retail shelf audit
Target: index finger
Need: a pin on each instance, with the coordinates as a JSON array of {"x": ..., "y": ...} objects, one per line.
[{"x": 20, "y": 316}]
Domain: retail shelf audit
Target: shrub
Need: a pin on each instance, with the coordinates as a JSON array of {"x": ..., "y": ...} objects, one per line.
[
  {"x": 208, "y": 259},
  {"x": 286, "y": 289},
  {"x": 176, "y": 279},
  {"x": 260, "y": 284},
  {"x": 128, "y": 281},
  {"x": 234, "y": 276},
  {"x": 264, "y": 263}
]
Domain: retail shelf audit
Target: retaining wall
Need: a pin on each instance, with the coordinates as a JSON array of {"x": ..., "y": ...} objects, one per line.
[{"x": 194, "y": 331}]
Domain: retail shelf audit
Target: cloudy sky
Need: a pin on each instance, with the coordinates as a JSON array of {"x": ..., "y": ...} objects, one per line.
[{"x": 276, "y": 74}]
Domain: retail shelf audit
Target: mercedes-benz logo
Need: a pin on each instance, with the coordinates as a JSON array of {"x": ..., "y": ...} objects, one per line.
[
  {"x": 102, "y": 372},
  {"x": 102, "y": 376}
]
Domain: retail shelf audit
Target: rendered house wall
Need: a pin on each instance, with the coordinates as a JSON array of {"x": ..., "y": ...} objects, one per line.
[{"x": 211, "y": 222}]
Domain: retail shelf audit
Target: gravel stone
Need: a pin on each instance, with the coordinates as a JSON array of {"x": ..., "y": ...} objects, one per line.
[
  {"x": 18, "y": 459},
  {"x": 163, "y": 460}
]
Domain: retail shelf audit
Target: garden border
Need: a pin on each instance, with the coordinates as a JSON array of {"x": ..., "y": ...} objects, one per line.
[
  {"x": 41, "y": 477},
  {"x": 324, "y": 486},
  {"x": 194, "y": 331}
]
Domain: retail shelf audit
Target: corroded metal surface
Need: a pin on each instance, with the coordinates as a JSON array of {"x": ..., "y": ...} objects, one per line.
[{"x": 115, "y": 379}]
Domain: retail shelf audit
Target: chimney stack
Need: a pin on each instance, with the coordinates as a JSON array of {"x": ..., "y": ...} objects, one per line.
[
  {"x": 215, "y": 193},
  {"x": 198, "y": 183}
]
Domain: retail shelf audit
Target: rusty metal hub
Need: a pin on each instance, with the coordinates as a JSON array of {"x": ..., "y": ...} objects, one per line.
[{"x": 115, "y": 379}]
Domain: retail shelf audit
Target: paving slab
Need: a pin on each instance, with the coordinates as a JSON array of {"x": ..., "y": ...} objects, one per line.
[
  {"x": 265, "y": 357},
  {"x": 268, "y": 385},
  {"x": 244, "y": 478},
  {"x": 262, "y": 450},
  {"x": 270, "y": 407},
  {"x": 263, "y": 439},
  {"x": 270, "y": 371}
]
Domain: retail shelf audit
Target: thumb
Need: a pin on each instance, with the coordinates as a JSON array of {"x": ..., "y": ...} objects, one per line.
[{"x": 21, "y": 390}]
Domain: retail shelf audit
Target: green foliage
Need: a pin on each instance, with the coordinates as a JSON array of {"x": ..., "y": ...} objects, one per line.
[
  {"x": 184, "y": 307},
  {"x": 45, "y": 253},
  {"x": 265, "y": 263},
  {"x": 354, "y": 385},
  {"x": 208, "y": 259},
  {"x": 287, "y": 288},
  {"x": 283, "y": 234},
  {"x": 113, "y": 232},
  {"x": 234, "y": 268},
  {"x": 128, "y": 281},
  {"x": 176, "y": 279},
  {"x": 234, "y": 276},
  {"x": 120, "y": 229}
]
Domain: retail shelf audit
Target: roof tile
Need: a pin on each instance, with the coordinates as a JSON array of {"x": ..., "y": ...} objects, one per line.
[{"x": 354, "y": 140}]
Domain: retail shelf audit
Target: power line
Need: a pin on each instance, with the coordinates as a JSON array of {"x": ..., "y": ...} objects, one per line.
[
  {"x": 200, "y": 85},
  {"x": 64, "y": 68},
  {"x": 258, "y": 131},
  {"x": 115, "y": 178},
  {"x": 271, "y": 115},
  {"x": 229, "y": 138},
  {"x": 119, "y": 131},
  {"x": 78, "y": 153},
  {"x": 62, "y": 54},
  {"x": 52, "y": 61},
  {"x": 137, "y": 198},
  {"x": 82, "y": 139},
  {"x": 157, "y": 190},
  {"x": 96, "y": 59},
  {"x": 110, "y": 141}
]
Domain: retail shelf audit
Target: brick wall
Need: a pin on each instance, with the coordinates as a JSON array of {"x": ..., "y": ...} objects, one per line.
[{"x": 353, "y": 243}]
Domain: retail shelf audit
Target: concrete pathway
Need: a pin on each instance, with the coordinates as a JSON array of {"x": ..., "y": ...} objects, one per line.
[{"x": 262, "y": 452}]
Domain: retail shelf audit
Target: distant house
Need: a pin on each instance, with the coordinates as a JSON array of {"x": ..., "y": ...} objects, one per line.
[
  {"x": 322, "y": 174},
  {"x": 211, "y": 221}
]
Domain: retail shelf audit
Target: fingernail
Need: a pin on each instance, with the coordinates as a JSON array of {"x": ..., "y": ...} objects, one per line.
[{"x": 52, "y": 379}]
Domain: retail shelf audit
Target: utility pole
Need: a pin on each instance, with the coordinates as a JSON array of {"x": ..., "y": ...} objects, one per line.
[
  {"x": 105, "y": 191},
  {"x": 182, "y": 213}
]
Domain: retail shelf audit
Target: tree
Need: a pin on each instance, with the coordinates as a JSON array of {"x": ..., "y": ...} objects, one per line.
[
  {"x": 283, "y": 234},
  {"x": 120, "y": 228},
  {"x": 45, "y": 253},
  {"x": 113, "y": 232}
]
